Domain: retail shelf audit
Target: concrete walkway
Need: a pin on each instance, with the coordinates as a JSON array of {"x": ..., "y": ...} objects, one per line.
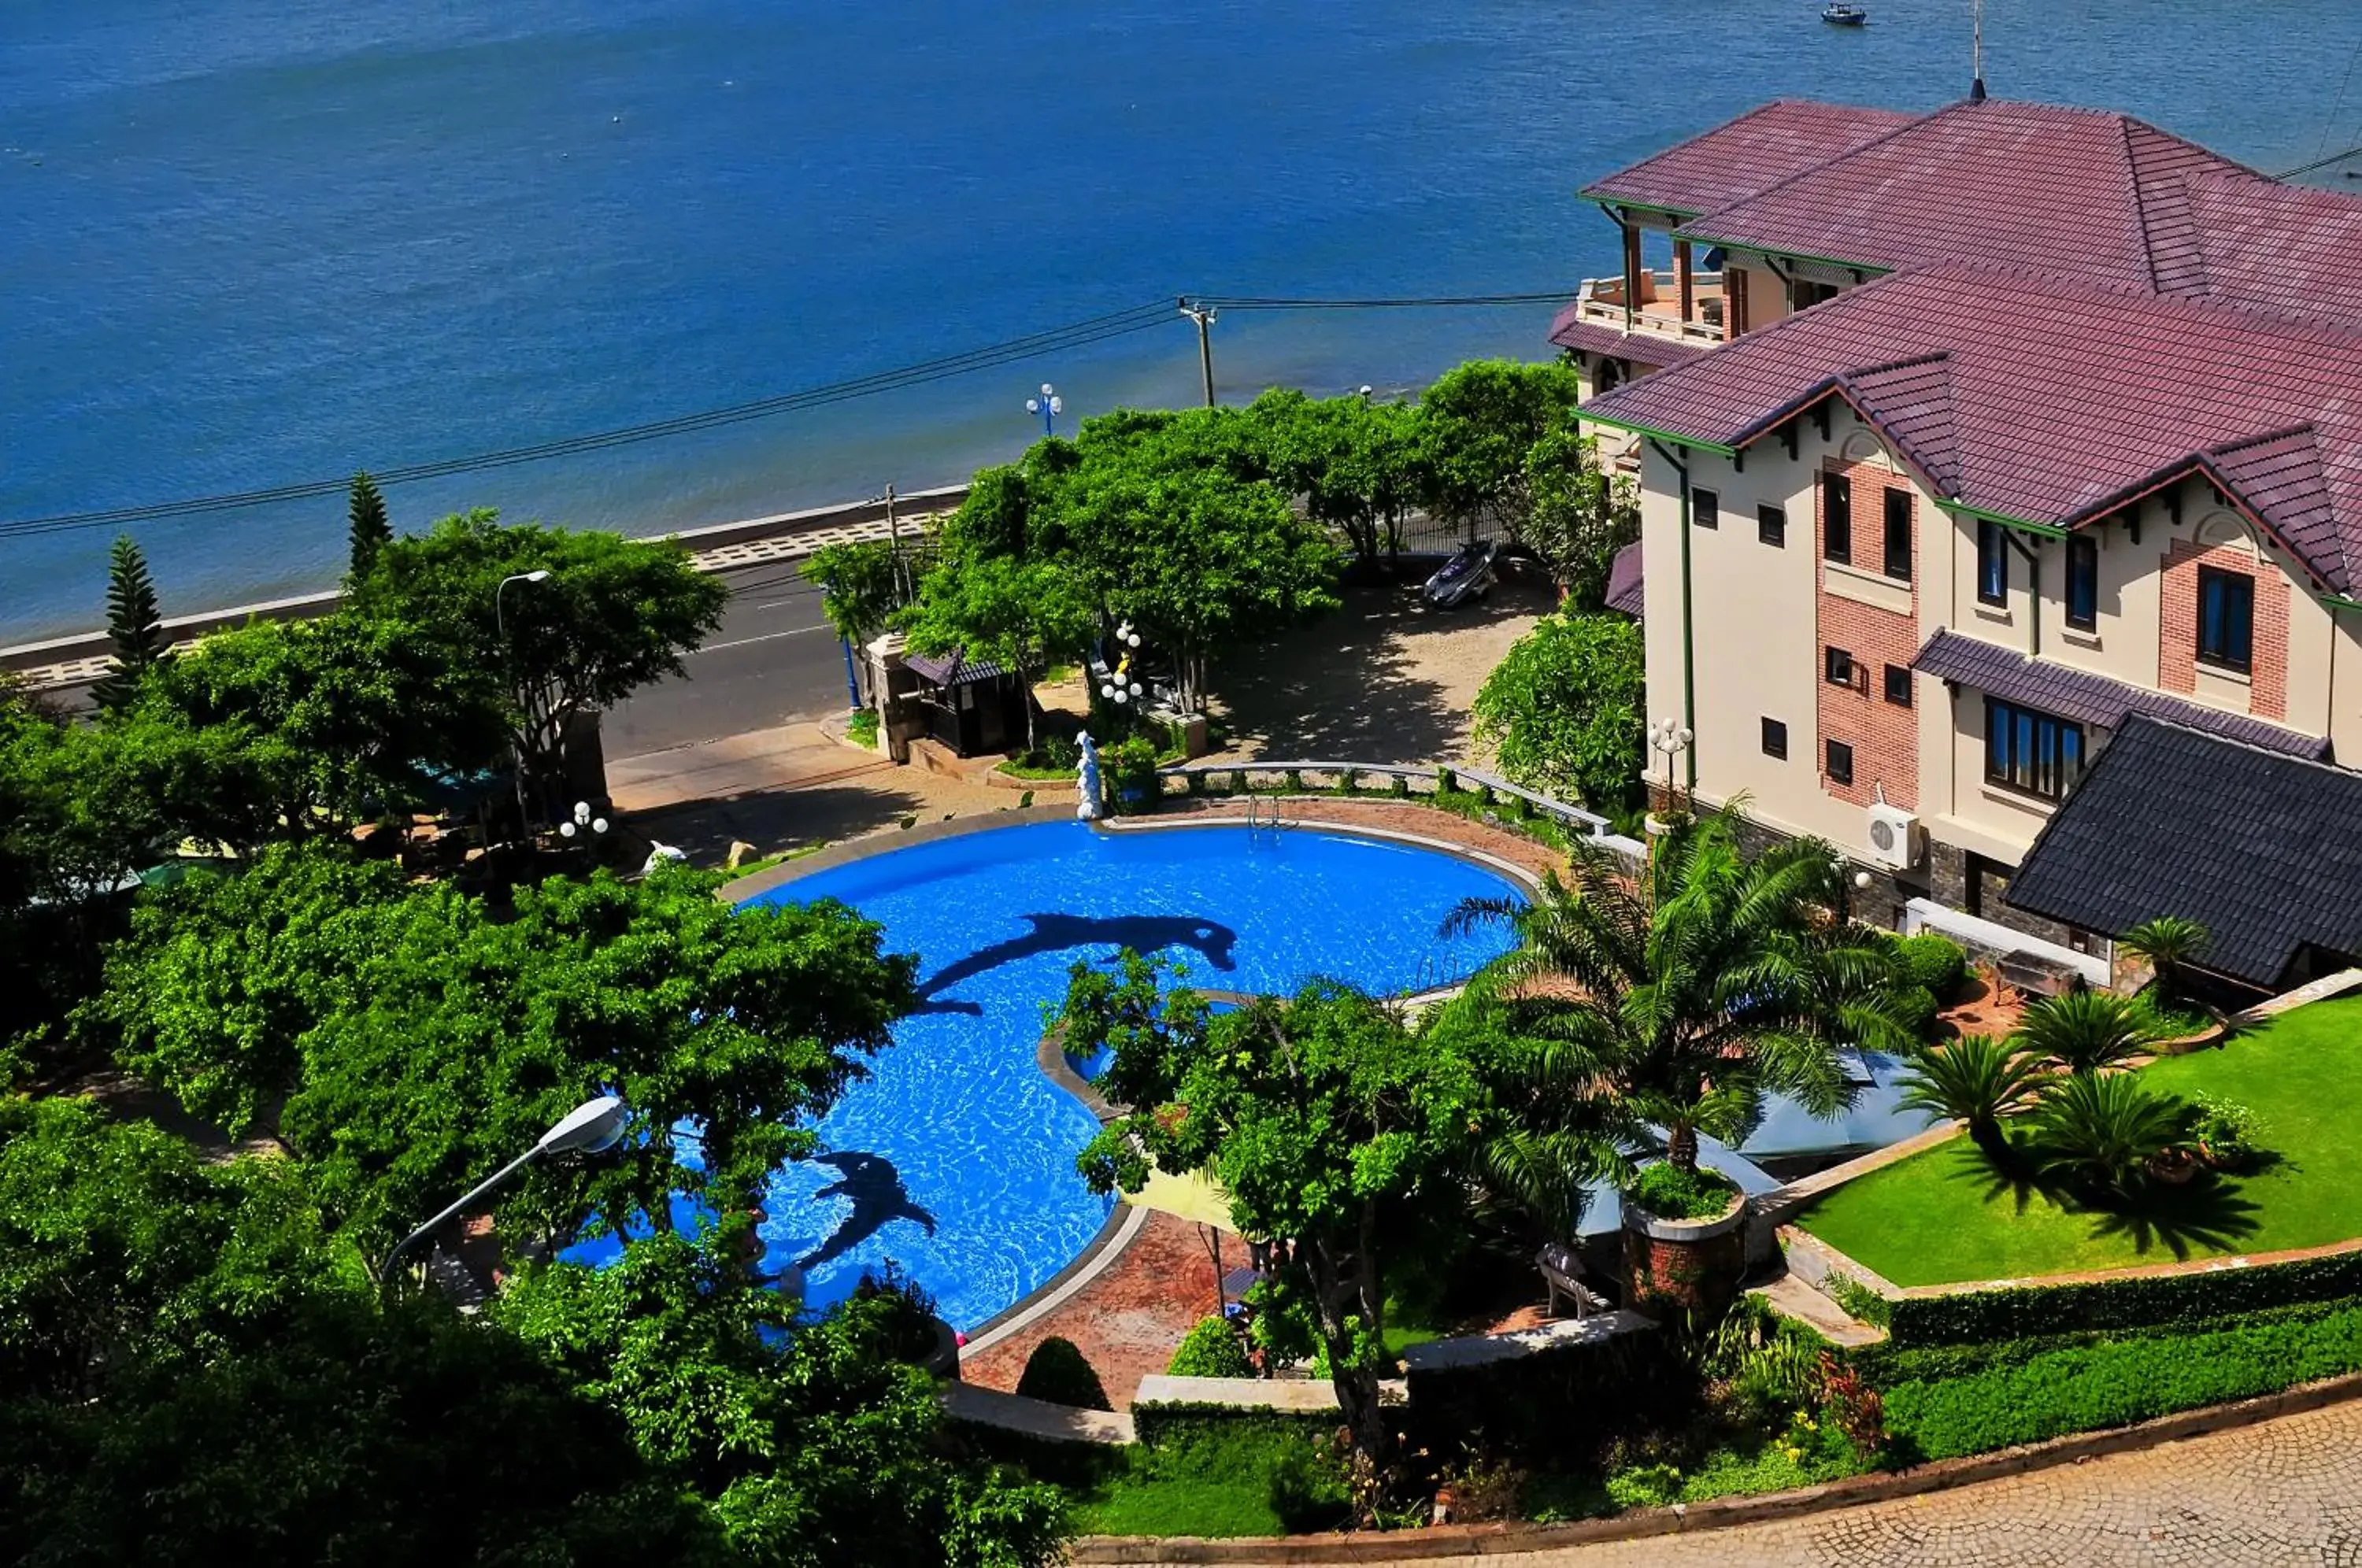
[{"x": 2284, "y": 1492}]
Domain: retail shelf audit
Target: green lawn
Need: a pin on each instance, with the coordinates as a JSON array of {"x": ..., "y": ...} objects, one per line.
[{"x": 1943, "y": 1215}]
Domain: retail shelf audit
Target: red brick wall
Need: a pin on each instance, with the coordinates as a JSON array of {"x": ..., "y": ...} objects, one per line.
[
  {"x": 1885, "y": 738},
  {"x": 2177, "y": 652}
]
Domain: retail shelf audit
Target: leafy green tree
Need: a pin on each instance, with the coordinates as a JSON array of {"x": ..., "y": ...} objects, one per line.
[
  {"x": 812, "y": 1444},
  {"x": 860, "y": 586},
  {"x": 614, "y": 615},
  {"x": 135, "y": 626},
  {"x": 1562, "y": 709},
  {"x": 1354, "y": 463},
  {"x": 421, "y": 1040},
  {"x": 2168, "y": 944},
  {"x": 1333, "y": 1129},
  {"x": 1705, "y": 979},
  {"x": 1478, "y": 424},
  {"x": 194, "y": 1371},
  {"x": 1577, "y": 516},
  {"x": 994, "y": 595},
  {"x": 2083, "y": 1031},
  {"x": 1977, "y": 1080},
  {"x": 367, "y": 528},
  {"x": 320, "y": 725}
]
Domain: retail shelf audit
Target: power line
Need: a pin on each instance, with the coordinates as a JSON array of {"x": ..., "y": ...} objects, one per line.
[
  {"x": 2318, "y": 163},
  {"x": 1074, "y": 335}
]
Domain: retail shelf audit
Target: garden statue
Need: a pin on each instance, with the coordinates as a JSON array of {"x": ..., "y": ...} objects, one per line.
[{"x": 1091, "y": 802}]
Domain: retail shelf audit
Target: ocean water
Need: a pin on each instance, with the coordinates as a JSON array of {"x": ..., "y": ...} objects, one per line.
[
  {"x": 250, "y": 242},
  {"x": 955, "y": 1159}
]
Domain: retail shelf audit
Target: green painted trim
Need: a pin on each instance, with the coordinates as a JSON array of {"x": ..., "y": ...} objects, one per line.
[
  {"x": 1716, "y": 447},
  {"x": 2044, "y": 530},
  {"x": 2339, "y": 602},
  {"x": 1637, "y": 206},
  {"x": 1871, "y": 268}
]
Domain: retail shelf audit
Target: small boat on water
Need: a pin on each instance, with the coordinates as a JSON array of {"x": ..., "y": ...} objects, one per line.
[{"x": 1839, "y": 13}]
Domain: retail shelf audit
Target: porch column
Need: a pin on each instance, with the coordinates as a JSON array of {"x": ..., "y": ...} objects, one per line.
[
  {"x": 1682, "y": 283},
  {"x": 1631, "y": 271},
  {"x": 1734, "y": 301}
]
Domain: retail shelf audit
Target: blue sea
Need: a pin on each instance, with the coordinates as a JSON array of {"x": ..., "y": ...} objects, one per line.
[{"x": 251, "y": 242}]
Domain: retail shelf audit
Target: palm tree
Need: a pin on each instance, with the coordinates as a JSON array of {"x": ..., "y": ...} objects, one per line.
[
  {"x": 2082, "y": 1031},
  {"x": 2101, "y": 1132},
  {"x": 1699, "y": 984},
  {"x": 2169, "y": 943},
  {"x": 1976, "y": 1079}
]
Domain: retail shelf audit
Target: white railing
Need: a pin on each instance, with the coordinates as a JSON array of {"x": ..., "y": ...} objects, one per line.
[{"x": 1589, "y": 824}]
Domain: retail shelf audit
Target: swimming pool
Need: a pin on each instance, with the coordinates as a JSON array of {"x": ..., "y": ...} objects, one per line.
[{"x": 955, "y": 1159}]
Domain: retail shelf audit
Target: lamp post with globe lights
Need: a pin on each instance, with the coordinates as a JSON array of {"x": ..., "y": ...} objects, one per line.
[
  {"x": 1049, "y": 406},
  {"x": 583, "y": 823},
  {"x": 1119, "y": 688},
  {"x": 1668, "y": 737}
]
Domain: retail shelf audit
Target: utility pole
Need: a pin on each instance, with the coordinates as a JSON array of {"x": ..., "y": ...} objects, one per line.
[{"x": 1204, "y": 317}]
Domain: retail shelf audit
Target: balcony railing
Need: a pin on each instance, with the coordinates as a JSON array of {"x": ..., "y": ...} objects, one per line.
[{"x": 1658, "y": 314}]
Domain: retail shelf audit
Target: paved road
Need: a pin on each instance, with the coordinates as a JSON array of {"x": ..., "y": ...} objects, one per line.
[
  {"x": 774, "y": 662},
  {"x": 2283, "y": 1492}
]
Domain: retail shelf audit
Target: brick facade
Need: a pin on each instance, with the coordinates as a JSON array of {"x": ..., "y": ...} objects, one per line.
[
  {"x": 1884, "y": 735},
  {"x": 2176, "y": 653}
]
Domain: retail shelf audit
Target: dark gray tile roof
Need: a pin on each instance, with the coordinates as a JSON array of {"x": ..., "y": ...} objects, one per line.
[
  {"x": 952, "y": 668},
  {"x": 2264, "y": 850},
  {"x": 1627, "y": 585},
  {"x": 2089, "y": 699}
]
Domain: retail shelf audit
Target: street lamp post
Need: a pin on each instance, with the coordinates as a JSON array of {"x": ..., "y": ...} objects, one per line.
[
  {"x": 501, "y": 633},
  {"x": 590, "y": 1128},
  {"x": 582, "y": 822},
  {"x": 1049, "y": 406},
  {"x": 1670, "y": 737}
]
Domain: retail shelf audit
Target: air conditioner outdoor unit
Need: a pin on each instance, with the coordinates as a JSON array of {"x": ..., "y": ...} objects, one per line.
[{"x": 1895, "y": 840}]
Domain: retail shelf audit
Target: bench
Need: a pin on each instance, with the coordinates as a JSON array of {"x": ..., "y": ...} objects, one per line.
[{"x": 1563, "y": 1272}]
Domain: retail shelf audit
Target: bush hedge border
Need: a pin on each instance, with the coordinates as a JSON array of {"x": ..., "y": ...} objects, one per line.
[{"x": 1975, "y": 1317}]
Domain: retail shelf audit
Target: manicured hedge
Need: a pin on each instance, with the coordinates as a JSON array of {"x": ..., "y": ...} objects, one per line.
[
  {"x": 1886, "y": 1366},
  {"x": 1977, "y": 1316},
  {"x": 1058, "y": 1371},
  {"x": 2116, "y": 1383},
  {"x": 1537, "y": 1402},
  {"x": 1167, "y": 1422}
]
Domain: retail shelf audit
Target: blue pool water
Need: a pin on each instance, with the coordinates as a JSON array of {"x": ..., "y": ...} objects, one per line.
[{"x": 957, "y": 1122}]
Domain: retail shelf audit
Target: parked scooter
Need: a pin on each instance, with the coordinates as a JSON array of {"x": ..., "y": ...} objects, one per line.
[{"x": 1465, "y": 577}]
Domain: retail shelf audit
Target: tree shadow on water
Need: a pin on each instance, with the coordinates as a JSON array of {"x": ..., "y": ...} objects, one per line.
[{"x": 1210, "y": 940}]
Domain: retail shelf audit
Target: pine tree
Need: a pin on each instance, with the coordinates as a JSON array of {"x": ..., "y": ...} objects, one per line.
[
  {"x": 370, "y": 528},
  {"x": 134, "y": 625}
]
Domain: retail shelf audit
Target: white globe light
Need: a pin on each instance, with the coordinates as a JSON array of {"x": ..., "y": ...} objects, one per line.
[
  {"x": 1122, "y": 696},
  {"x": 581, "y": 810},
  {"x": 1045, "y": 389},
  {"x": 1107, "y": 688},
  {"x": 1133, "y": 639},
  {"x": 566, "y": 830},
  {"x": 1032, "y": 405},
  {"x": 1861, "y": 880},
  {"x": 1057, "y": 405},
  {"x": 598, "y": 824},
  {"x": 1135, "y": 688},
  {"x": 1685, "y": 735}
]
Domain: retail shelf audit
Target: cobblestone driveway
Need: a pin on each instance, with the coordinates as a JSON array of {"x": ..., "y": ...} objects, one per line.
[{"x": 2282, "y": 1493}]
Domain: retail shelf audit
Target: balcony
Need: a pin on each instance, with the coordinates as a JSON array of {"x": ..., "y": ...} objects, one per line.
[{"x": 1659, "y": 311}]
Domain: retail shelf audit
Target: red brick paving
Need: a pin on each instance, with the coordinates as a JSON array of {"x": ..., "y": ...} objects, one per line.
[{"x": 1127, "y": 1320}]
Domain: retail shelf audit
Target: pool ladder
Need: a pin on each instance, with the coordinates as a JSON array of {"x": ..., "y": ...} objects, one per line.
[{"x": 1261, "y": 815}]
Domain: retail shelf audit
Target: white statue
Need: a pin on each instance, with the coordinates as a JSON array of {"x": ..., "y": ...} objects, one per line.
[
  {"x": 661, "y": 854},
  {"x": 1092, "y": 803}
]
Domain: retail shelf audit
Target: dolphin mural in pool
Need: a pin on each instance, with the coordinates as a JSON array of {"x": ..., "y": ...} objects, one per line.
[
  {"x": 877, "y": 1194},
  {"x": 1050, "y": 933}
]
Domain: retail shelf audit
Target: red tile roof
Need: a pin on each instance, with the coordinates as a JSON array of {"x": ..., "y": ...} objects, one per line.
[
  {"x": 2013, "y": 184},
  {"x": 2053, "y": 400},
  {"x": 1641, "y": 348},
  {"x": 1742, "y": 157},
  {"x": 2086, "y": 192}
]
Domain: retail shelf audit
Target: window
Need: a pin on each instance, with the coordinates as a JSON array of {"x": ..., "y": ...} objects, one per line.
[
  {"x": 1993, "y": 565},
  {"x": 1837, "y": 666},
  {"x": 1705, "y": 509},
  {"x": 2226, "y": 618},
  {"x": 1898, "y": 535},
  {"x": 1803, "y": 294},
  {"x": 1841, "y": 765},
  {"x": 1771, "y": 526},
  {"x": 2031, "y": 751},
  {"x": 1836, "y": 517},
  {"x": 2083, "y": 582},
  {"x": 1775, "y": 739},
  {"x": 1898, "y": 685}
]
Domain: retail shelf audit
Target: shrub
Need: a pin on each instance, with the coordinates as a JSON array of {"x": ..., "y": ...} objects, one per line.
[
  {"x": 862, "y": 728},
  {"x": 1645, "y": 1486},
  {"x": 1057, "y": 1372},
  {"x": 2101, "y": 1132},
  {"x": 2228, "y": 1130},
  {"x": 1211, "y": 1349},
  {"x": 1670, "y": 1193},
  {"x": 1861, "y": 1300},
  {"x": 1935, "y": 961},
  {"x": 1988, "y": 1317},
  {"x": 1131, "y": 770},
  {"x": 1913, "y": 1008},
  {"x": 2082, "y": 1031},
  {"x": 1976, "y": 1080},
  {"x": 2112, "y": 1384}
]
